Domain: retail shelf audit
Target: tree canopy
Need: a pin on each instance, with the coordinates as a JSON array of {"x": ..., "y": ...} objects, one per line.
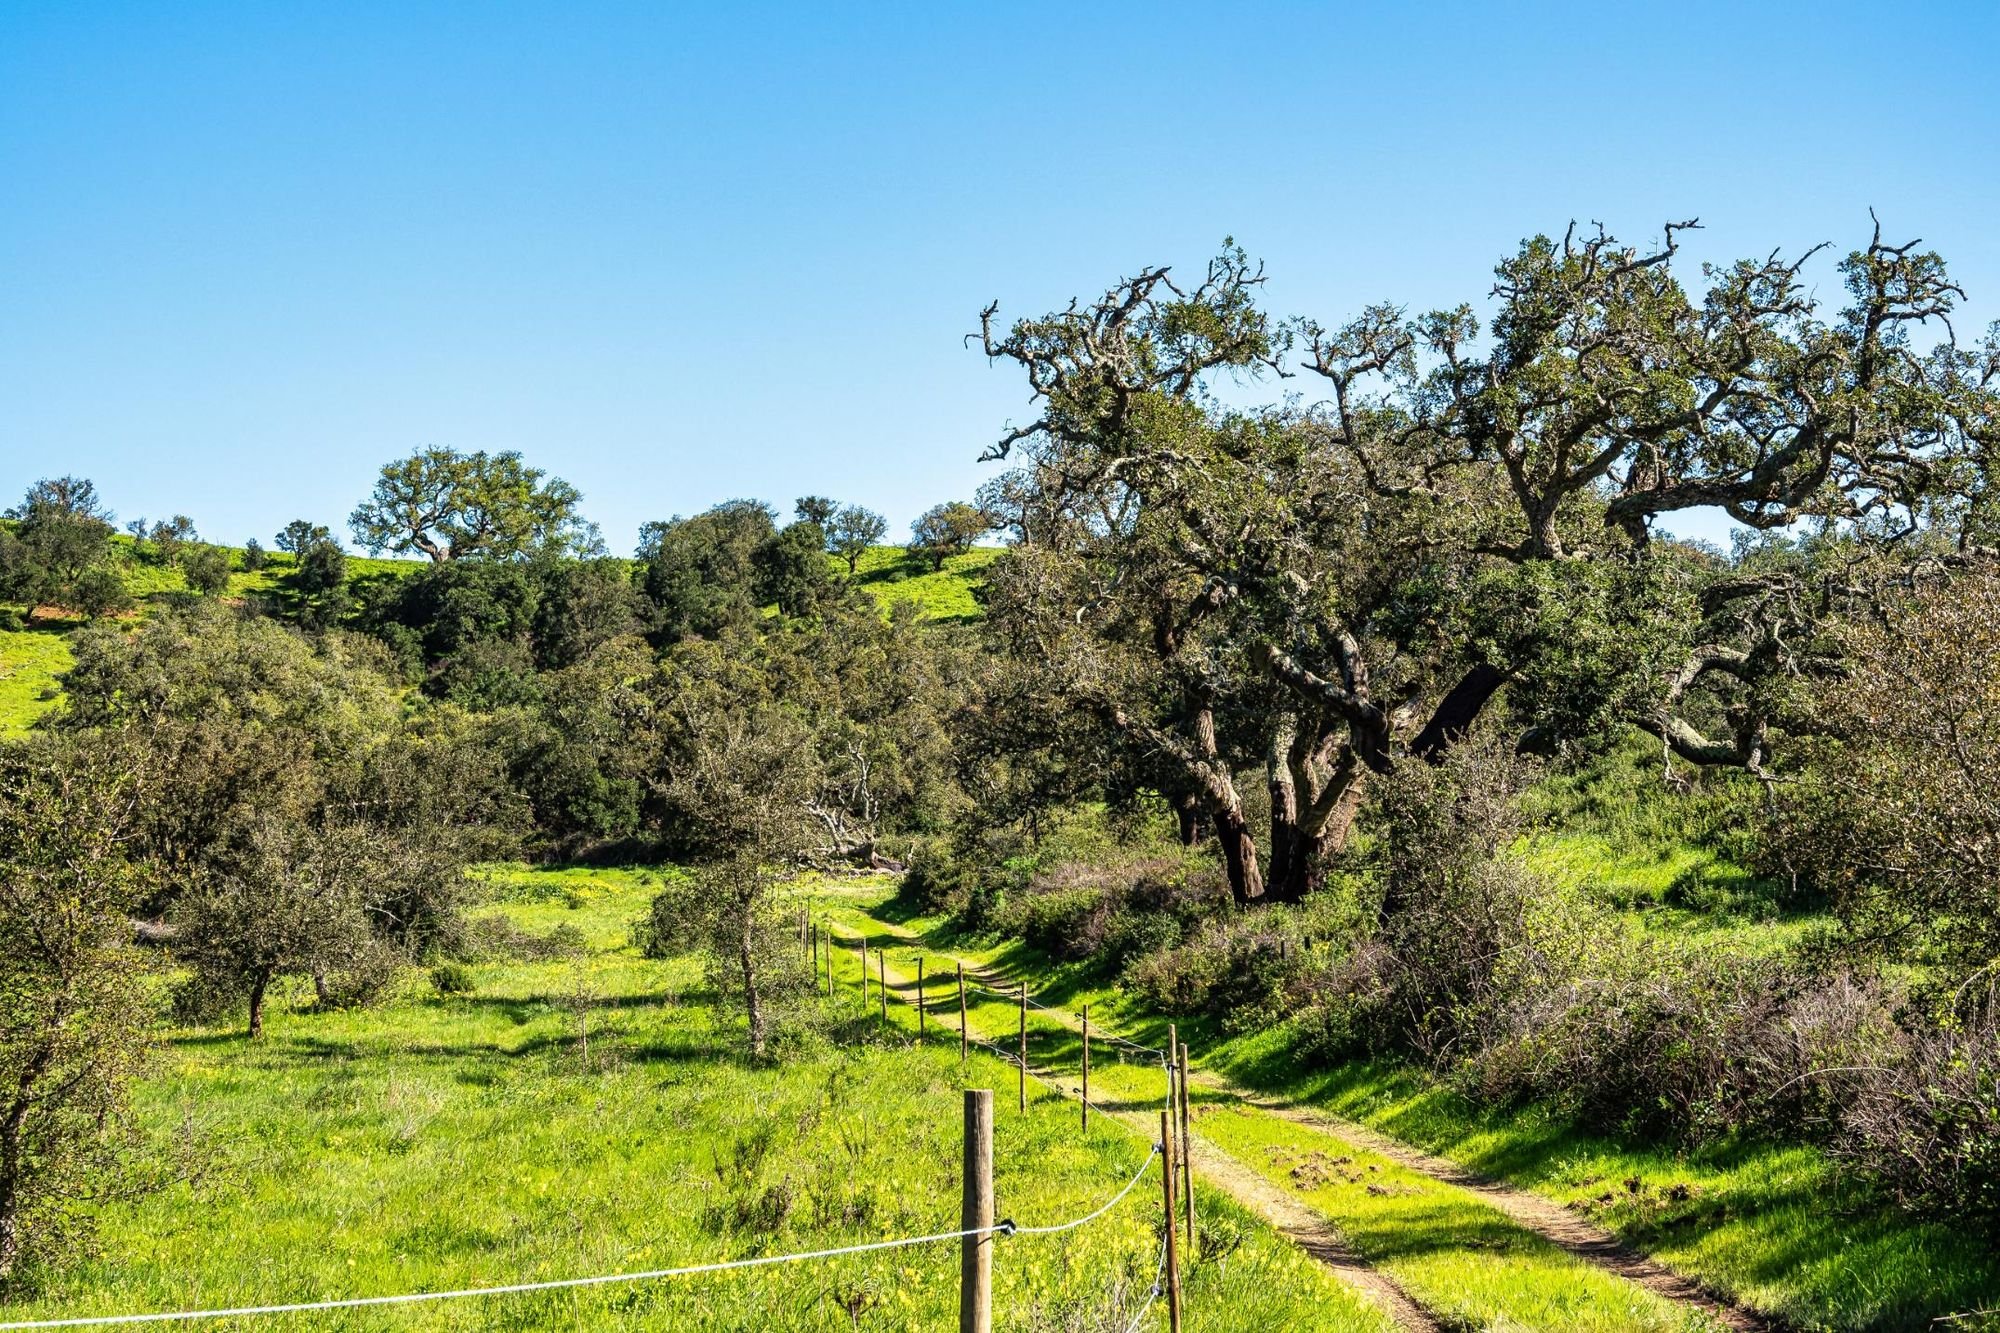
[{"x": 457, "y": 506}]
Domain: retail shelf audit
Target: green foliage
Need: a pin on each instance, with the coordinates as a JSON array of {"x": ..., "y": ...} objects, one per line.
[
  {"x": 699, "y": 574},
  {"x": 454, "y": 506},
  {"x": 946, "y": 530},
  {"x": 75, "y": 1005},
  {"x": 791, "y": 570},
  {"x": 450, "y": 979},
  {"x": 852, "y": 531},
  {"x": 206, "y": 569}
]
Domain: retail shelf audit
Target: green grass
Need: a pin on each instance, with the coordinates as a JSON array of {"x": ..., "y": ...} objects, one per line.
[
  {"x": 445, "y": 1142},
  {"x": 1772, "y": 1225},
  {"x": 30, "y": 661},
  {"x": 891, "y": 575},
  {"x": 1454, "y": 1253},
  {"x": 1459, "y": 1257}
]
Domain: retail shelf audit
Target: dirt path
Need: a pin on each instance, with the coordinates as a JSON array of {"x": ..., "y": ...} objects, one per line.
[{"x": 1534, "y": 1212}]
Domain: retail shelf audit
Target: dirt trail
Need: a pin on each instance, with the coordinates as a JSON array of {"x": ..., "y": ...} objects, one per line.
[{"x": 1534, "y": 1212}]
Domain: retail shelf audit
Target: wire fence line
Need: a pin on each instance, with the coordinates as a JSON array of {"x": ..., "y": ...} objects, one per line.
[
  {"x": 999, "y": 1229},
  {"x": 1159, "y": 1280}
]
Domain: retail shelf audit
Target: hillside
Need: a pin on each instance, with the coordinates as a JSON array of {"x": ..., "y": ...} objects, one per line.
[{"x": 33, "y": 655}]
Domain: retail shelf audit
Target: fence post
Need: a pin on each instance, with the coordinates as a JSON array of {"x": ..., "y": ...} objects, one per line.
[
  {"x": 1086, "y": 1068},
  {"x": 1024, "y": 1046},
  {"x": 975, "y": 1265},
  {"x": 862, "y": 945},
  {"x": 882, "y": 982},
  {"x": 1167, "y": 1198},
  {"x": 814, "y": 933},
  {"x": 962, "y": 1038},
  {"x": 1187, "y": 1156},
  {"x": 1173, "y": 1066},
  {"x": 829, "y": 960},
  {"x": 920, "y": 999}
]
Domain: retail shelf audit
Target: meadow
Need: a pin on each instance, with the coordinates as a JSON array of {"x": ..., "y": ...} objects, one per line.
[{"x": 593, "y": 1114}]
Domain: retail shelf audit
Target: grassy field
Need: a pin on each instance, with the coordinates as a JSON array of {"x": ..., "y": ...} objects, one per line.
[
  {"x": 445, "y": 1142},
  {"x": 1769, "y": 1224},
  {"x": 891, "y": 575},
  {"x": 30, "y": 661}
]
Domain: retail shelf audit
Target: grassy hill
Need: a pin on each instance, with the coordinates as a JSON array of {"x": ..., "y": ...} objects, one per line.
[{"x": 32, "y": 657}]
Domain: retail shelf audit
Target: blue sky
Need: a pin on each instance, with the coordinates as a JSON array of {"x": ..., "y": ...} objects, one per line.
[{"x": 678, "y": 254}]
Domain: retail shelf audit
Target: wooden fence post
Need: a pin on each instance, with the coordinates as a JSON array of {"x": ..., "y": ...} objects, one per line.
[
  {"x": 1024, "y": 1046},
  {"x": 963, "y": 1040},
  {"x": 1086, "y": 1068},
  {"x": 1167, "y": 1197},
  {"x": 1187, "y": 1157},
  {"x": 920, "y": 999},
  {"x": 829, "y": 961},
  {"x": 975, "y": 1265},
  {"x": 882, "y": 982},
  {"x": 813, "y": 930},
  {"x": 1173, "y": 1066},
  {"x": 862, "y": 946}
]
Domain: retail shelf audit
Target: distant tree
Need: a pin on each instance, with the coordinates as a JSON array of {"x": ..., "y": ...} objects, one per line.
[
  {"x": 78, "y": 1008},
  {"x": 321, "y": 582},
  {"x": 699, "y": 574},
  {"x": 853, "y": 531},
  {"x": 816, "y": 509},
  {"x": 171, "y": 537},
  {"x": 738, "y": 774},
  {"x": 254, "y": 557},
  {"x": 71, "y": 497},
  {"x": 100, "y": 592},
  {"x": 583, "y": 605},
  {"x": 322, "y": 567},
  {"x": 63, "y": 531},
  {"x": 947, "y": 530},
  {"x": 299, "y": 536},
  {"x": 791, "y": 569},
  {"x": 206, "y": 569},
  {"x": 455, "y": 506}
]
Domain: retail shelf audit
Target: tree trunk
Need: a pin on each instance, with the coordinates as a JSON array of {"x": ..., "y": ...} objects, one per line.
[
  {"x": 753, "y": 1003},
  {"x": 1187, "y": 813},
  {"x": 258, "y": 985},
  {"x": 1239, "y": 856},
  {"x": 10, "y": 1187}
]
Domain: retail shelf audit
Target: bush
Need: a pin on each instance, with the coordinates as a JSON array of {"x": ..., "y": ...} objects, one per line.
[
  {"x": 363, "y": 979},
  {"x": 452, "y": 979},
  {"x": 946, "y": 875},
  {"x": 1926, "y": 1124},
  {"x": 497, "y": 939},
  {"x": 100, "y": 592}
]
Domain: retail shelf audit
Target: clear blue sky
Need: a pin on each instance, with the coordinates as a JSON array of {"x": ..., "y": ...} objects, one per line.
[{"x": 679, "y": 254}]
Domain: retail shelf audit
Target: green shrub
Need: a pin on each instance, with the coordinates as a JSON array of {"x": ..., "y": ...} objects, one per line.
[{"x": 452, "y": 979}]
